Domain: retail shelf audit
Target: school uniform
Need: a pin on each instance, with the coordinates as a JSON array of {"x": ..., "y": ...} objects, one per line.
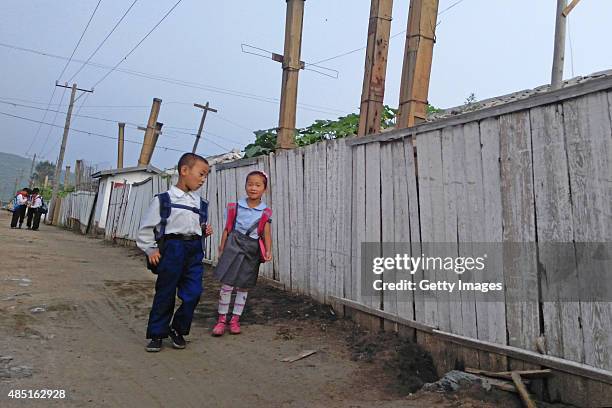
[
  {"x": 34, "y": 212},
  {"x": 239, "y": 263},
  {"x": 180, "y": 268},
  {"x": 19, "y": 211}
]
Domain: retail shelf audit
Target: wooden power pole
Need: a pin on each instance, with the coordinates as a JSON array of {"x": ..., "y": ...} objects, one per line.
[
  {"x": 120, "y": 143},
  {"x": 418, "y": 55},
  {"x": 373, "y": 92},
  {"x": 78, "y": 174},
  {"x": 31, "y": 183},
  {"x": 559, "y": 48},
  {"x": 206, "y": 108},
  {"x": 291, "y": 71},
  {"x": 67, "y": 177},
  {"x": 60, "y": 159},
  {"x": 150, "y": 134}
]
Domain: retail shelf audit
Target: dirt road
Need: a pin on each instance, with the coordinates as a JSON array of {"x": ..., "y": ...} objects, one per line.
[{"x": 73, "y": 313}]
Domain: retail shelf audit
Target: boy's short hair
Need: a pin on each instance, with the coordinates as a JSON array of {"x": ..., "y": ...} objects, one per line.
[
  {"x": 189, "y": 159},
  {"x": 36, "y": 190}
]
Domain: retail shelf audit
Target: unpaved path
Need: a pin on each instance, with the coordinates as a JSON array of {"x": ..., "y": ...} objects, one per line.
[{"x": 87, "y": 338}]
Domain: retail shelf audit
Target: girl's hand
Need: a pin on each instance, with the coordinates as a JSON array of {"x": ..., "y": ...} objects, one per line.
[
  {"x": 154, "y": 257},
  {"x": 209, "y": 230},
  {"x": 268, "y": 256},
  {"x": 220, "y": 249}
]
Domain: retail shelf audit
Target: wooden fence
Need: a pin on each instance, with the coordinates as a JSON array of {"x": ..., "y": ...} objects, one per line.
[{"x": 532, "y": 171}]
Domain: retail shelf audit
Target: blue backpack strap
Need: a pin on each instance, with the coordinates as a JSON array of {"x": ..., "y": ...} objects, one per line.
[
  {"x": 203, "y": 211},
  {"x": 165, "y": 206}
]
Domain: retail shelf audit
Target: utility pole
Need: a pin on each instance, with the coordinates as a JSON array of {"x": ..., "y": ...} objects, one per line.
[
  {"x": 563, "y": 10},
  {"x": 418, "y": 55},
  {"x": 60, "y": 159},
  {"x": 206, "y": 108},
  {"x": 32, "y": 171},
  {"x": 67, "y": 178},
  {"x": 18, "y": 179},
  {"x": 150, "y": 134},
  {"x": 121, "y": 141},
  {"x": 559, "y": 48},
  {"x": 373, "y": 91},
  {"x": 78, "y": 174},
  {"x": 151, "y": 144},
  {"x": 291, "y": 70}
]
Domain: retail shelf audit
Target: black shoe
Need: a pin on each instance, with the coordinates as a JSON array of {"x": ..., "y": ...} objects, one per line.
[
  {"x": 154, "y": 345},
  {"x": 178, "y": 341}
]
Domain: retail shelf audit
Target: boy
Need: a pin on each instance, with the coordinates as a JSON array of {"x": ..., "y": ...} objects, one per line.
[
  {"x": 35, "y": 204},
  {"x": 19, "y": 210},
  {"x": 173, "y": 244}
]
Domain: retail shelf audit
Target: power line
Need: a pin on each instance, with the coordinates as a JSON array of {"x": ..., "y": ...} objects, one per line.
[
  {"x": 187, "y": 84},
  {"x": 393, "y": 36},
  {"x": 131, "y": 124},
  {"x": 51, "y": 128},
  {"x": 137, "y": 45},
  {"x": 85, "y": 131},
  {"x": 103, "y": 41},
  {"x": 60, "y": 75},
  {"x": 80, "y": 39}
]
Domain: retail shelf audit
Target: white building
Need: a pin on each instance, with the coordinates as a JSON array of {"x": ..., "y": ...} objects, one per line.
[{"x": 113, "y": 178}]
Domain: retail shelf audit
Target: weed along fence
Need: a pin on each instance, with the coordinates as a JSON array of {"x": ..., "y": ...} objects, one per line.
[
  {"x": 530, "y": 172},
  {"x": 521, "y": 176}
]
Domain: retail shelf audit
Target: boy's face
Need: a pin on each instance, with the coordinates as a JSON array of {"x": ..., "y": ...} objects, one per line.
[
  {"x": 255, "y": 186},
  {"x": 194, "y": 176}
]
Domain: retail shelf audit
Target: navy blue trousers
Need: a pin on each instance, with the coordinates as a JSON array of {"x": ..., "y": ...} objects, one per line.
[{"x": 179, "y": 273}]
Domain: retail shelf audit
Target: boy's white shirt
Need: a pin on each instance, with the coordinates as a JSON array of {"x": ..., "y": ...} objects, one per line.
[
  {"x": 181, "y": 221},
  {"x": 37, "y": 203},
  {"x": 21, "y": 199}
]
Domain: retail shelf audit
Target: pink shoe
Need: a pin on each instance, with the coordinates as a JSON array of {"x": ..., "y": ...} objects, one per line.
[
  {"x": 235, "y": 325},
  {"x": 219, "y": 329}
]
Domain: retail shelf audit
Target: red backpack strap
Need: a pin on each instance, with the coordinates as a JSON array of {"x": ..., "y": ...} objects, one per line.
[
  {"x": 231, "y": 216},
  {"x": 265, "y": 217}
]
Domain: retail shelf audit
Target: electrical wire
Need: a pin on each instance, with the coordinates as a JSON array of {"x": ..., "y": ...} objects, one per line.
[
  {"x": 393, "y": 36},
  {"x": 187, "y": 84},
  {"x": 103, "y": 41},
  {"x": 60, "y": 75},
  {"x": 85, "y": 131},
  {"x": 137, "y": 45}
]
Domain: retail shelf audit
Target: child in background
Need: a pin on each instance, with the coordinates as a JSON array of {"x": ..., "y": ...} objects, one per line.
[
  {"x": 20, "y": 207},
  {"x": 35, "y": 203},
  {"x": 246, "y": 241},
  {"x": 171, "y": 236}
]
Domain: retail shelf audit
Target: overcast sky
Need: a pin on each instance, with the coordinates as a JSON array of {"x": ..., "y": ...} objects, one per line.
[{"x": 486, "y": 47}]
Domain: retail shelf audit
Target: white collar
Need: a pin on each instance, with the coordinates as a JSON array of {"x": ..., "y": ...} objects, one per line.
[{"x": 177, "y": 192}]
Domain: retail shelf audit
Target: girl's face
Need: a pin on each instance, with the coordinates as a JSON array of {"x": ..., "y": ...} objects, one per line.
[{"x": 255, "y": 186}]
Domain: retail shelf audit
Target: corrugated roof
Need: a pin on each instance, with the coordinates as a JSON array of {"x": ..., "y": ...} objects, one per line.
[
  {"x": 511, "y": 97},
  {"x": 113, "y": 172}
]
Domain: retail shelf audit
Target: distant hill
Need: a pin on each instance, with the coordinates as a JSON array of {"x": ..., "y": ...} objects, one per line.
[{"x": 10, "y": 167}]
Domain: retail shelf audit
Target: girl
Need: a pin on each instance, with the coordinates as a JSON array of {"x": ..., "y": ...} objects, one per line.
[{"x": 246, "y": 242}]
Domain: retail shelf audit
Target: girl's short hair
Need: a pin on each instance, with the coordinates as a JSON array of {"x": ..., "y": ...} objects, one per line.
[{"x": 258, "y": 173}]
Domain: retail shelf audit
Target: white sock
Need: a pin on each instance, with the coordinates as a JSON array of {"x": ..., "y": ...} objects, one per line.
[
  {"x": 239, "y": 302},
  {"x": 225, "y": 296}
]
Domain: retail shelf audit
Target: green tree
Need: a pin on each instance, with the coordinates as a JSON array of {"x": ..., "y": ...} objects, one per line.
[
  {"x": 42, "y": 170},
  {"x": 265, "y": 140}
]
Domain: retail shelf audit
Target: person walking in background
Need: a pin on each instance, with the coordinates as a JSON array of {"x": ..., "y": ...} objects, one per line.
[
  {"x": 19, "y": 207},
  {"x": 35, "y": 206}
]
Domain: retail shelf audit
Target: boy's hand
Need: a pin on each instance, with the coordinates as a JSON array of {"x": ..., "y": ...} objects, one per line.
[
  {"x": 209, "y": 230},
  {"x": 154, "y": 257},
  {"x": 268, "y": 256}
]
